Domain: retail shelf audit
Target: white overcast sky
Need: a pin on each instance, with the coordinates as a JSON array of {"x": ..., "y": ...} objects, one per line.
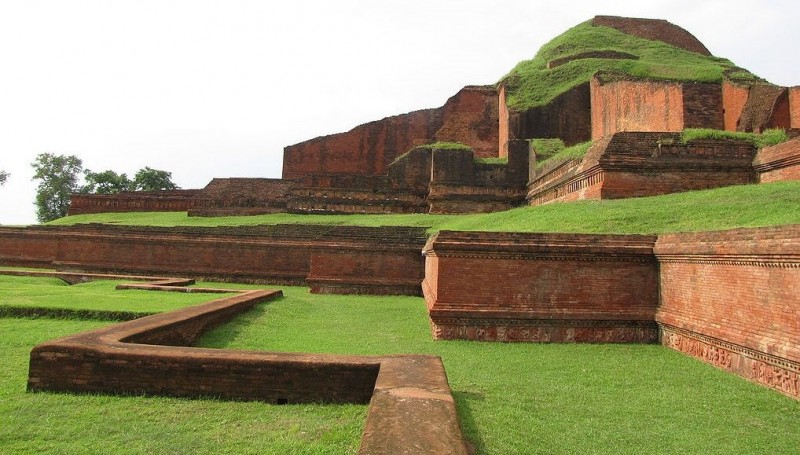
[{"x": 217, "y": 88}]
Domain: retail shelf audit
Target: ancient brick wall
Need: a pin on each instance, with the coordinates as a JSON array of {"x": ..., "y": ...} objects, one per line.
[
  {"x": 645, "y": 164},
  {"x": 567, "y": 117},
  {"x": 703, "y": 106},
  {"x": 794, "y": 107},
  {"x": 627, "y": 105},
  {"x": 543, "y": 287},
  {"x": 764, "y": 109},
  {"x": 734, "y": 98},
  {"x": 653, "y": 29},
  {"x": 779, "y": 162},
  {"x": 276, "y": 254},
  {"x": 504, "y": 128},
  {"x": 133, "y": 201},
  {"x": 730, "y": 299},
  {"x": 469, "y": 117},
  {"x": 241, "y": 196}
]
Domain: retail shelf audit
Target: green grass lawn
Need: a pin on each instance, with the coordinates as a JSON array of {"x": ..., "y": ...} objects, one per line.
[
  {"x": 91, "y": 300},
  {"x": 540, "y": 398},
  {"x": 723, "y": 208},
  {"x": 512, "y": 398}
]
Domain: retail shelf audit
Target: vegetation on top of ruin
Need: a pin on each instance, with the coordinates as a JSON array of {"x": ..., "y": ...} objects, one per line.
[
  {"x": 498, "y": 388},
  {"x": 766, "y": 204},
  {"x": 438, "y": 145},
  {"x": 492, "y": 160},
  {"x": 566, "y": 153},
  {"x": 545, "y": 148},
  {"x": 443, "y": 145},
  {"x": 765, "y": 139},
  {"x": 531, "y": 84}
]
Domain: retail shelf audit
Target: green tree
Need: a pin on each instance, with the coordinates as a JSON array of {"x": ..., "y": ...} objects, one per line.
[
  {"x": 106, "y": 182},
  {"x": 58, "y": 175},
  {"x": 148, "y": 179},
  {"x": 3, "y": 177}
]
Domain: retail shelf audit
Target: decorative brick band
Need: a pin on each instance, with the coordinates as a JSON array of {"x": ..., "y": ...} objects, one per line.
[
  {"x": 774, "y": 372},
  {"x": 411, "y": 407}
]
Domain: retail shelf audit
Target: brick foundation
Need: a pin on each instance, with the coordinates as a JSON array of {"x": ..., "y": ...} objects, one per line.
[
  {"x": 554, "y": 287},
  {"x": 779, "y": 162},
  {"x": 730, "y": 299},
  {"x": 388, "y": 258}
]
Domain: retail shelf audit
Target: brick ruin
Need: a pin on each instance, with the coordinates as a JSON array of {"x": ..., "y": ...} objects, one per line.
[
  {"x": 727, "y": 298},
  {"x": 411, "y": 408},
  {"x": 378, "y": 167}
]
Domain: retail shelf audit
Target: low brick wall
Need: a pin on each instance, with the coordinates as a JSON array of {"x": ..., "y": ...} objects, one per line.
[
  {"x": 411, "y": 407},
  {"x": 134, "y": 201},
  {"x": 541, "y": 287},
  {"x": 779, "y": 162},
  {"x": 388, "y": 257},
  {"x": 645, "y": 164},
  {"x": 730, "y": 298}
]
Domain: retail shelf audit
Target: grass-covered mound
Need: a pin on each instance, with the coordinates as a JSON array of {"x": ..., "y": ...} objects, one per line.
[
  {"x": 723, "y": 208},
  {"x": 531, "y": 84}
]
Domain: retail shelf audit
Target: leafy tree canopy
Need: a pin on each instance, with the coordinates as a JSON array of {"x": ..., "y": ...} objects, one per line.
[
  {"x": 106, "y": 182},
  {"x": 3, "y": 177},
  {"x": 58, "y": 178},
  {"x": 149, "y": 179}
]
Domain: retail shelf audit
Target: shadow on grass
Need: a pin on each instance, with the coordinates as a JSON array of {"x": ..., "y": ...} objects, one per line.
[
  {"x": 468, "y": 423},
  {"x": 225, "y": 335}
]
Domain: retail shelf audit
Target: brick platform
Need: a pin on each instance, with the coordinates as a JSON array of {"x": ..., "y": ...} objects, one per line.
[{"x": 541, "y": 287}]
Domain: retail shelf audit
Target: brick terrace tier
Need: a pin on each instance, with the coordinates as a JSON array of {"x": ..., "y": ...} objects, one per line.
[{"x": 541, "y": 287}]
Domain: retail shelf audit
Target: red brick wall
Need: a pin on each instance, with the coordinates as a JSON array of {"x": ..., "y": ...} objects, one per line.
[
  {"x": 136, "y": 201},
  {"x": 504, "y": 128},
  {"x": 566, "y": 117},
  {"x": 779, "y": 162},
  {"x": 543, "y": 287},
  {"x": 794, "y": 106},
  {"x": 730, "y": 298},
  {"x": 703, "y": 106},
  {"x": 469, "y": 117},
  {"x": 635, "y": 106},
  {"x": 278, "y": 254},
  {"x": 734, "y": 98},
  {"x": 653, "y": 29}
]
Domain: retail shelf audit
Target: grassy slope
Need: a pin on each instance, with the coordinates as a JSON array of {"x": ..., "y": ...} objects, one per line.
[
  {"x": 94, "y": 296},
  {"x": 512, "y": 398},
  {"x": 540, "y": 398},
  {"x": 723, "y": 208},
  {"x": 531, "y": 84}
]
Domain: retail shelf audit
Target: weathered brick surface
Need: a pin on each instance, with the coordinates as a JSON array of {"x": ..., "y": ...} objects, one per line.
[
  {"x": 566, "y": 117},
  {"x": 469, "y": 117},
  {"x": 133, "y": 201},
  {"x": 764, "y": 109},
  {"x": 702, "y": 106},
  {"x": 779, "y": 162},
  {"x": 635, "y": 105},
  {"x": 794, "y": 107},
  {"x": 644, "y": 164},
  {"x": 734, "y": 98},
  {"x": 241, "y": 196},
  {"x": 653, "y": 29},
  {"x": 730, "y": 298},
  {"x": 554, "y": 287},
  {"x": 278, "y": 254}
]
